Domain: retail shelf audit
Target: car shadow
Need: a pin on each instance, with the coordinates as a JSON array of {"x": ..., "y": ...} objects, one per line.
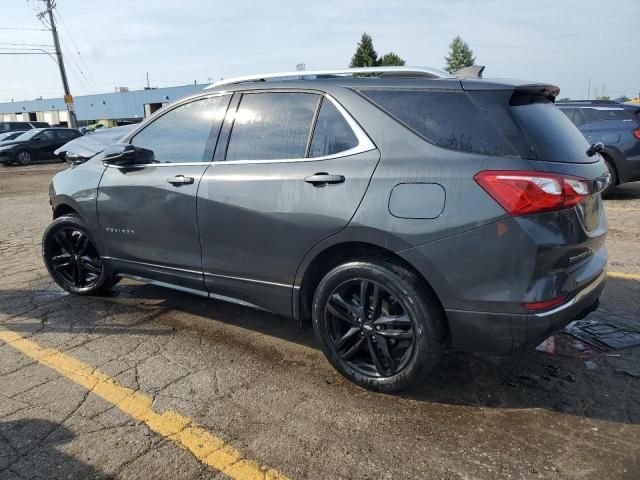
[
  {"x": 572, "y": 385},
  {"x": 626, "y": 191},
  {"x": 29, "y": 448}
]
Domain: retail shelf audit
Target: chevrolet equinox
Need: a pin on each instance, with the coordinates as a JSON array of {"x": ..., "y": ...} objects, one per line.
[{"x": 403, "y": 211}]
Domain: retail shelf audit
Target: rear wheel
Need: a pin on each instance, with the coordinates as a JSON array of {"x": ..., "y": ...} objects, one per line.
[
  {"x": 614, "y": 178},
  {"x": 72, "y": 258},
  {"x": 23, "y": 157},
  {"x": 377, "y": 325}
]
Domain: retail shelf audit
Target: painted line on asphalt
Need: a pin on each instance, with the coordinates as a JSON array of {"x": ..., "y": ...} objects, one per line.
[
  {"x": 629, "y": 276},
  {"x": 181, "y": 430}
]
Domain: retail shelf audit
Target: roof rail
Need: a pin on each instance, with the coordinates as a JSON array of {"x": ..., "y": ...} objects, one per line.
[{"x": 426, "y": 72}]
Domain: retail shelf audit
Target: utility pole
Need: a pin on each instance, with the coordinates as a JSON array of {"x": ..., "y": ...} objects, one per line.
[
  {"x": 148, "y": 87},
  {"x": 68, "y": 99},
  {"x": 589, "y": 89}
]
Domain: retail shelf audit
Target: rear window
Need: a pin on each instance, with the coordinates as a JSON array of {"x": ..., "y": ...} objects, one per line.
[
  {"x": 602, "y": 114},
  {"x": 448, "y": 119}
]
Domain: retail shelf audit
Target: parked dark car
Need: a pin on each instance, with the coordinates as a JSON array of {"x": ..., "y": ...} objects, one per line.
[
  {"x": 39, "y": 143},
  {"x": 10, "y": 135},
  {"x": 86, "y": 146},
  {"x": 617, "y": 126},
  {"x": 401, "y": 214},
  {"x": 12, "y": 126}
]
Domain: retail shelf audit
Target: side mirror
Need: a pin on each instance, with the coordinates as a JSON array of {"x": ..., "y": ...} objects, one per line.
[
  {"x": 37, "y": 139},
  {"x": 126, "y": 154}
]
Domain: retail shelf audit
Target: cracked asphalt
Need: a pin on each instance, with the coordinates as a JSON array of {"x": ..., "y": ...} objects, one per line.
[{"x": 259, "y": 383}]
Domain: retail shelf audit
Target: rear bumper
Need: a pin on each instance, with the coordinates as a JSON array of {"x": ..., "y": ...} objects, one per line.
[{"x": 508, "y": 332}]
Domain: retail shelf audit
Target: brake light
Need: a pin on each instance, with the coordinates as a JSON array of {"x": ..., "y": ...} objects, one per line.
[
  {"x": 524, "y": 192},
  {"x": 636, "y": 133}
]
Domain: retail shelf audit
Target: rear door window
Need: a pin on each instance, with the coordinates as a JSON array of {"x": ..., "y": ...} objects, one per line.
[
  {"x": 332, "y": 134},
  {"x": 448, "y": 119},
  {"x": 272, "y": 125}
]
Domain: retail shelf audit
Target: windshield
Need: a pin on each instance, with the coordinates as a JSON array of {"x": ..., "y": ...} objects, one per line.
[{"x": 28, "y": 135}]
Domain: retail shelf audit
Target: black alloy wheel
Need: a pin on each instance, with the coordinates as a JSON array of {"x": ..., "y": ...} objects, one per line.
[
  {"x": 75, "y": 259},
  {"x": 378, "y": 324},
  {"x": 369, "y": 328},
  {"x": 72, "y": 258}
]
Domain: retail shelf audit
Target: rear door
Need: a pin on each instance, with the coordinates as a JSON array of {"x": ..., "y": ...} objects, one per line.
[{"x": 291, "y": 170}]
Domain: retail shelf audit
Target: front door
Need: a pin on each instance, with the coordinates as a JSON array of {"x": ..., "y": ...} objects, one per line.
[
  {"x": 45, "y": 143},
  {"x": 278, "y": 192},
  {"x": 147, "y": 213}
]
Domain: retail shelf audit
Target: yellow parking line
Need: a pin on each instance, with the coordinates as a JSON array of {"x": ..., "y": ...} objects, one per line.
[
  {"x": 206, "y": 447},
  {"x": 629, "y": 276}
]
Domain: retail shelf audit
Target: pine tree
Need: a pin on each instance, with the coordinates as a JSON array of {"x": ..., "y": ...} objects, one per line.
[
  {"x": 365, "y": 55},
  {"x": 460, "y": 56},
  {"x": 390, "y": 59}
]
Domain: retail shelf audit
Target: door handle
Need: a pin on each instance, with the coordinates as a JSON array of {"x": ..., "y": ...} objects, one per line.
[
  {"x": 180, "y": 180},
  {"x": 321, "y": 179}
]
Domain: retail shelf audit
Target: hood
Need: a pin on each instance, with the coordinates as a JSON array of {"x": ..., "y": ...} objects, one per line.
[
  {"x": 89, "y": 145},
  {"x": 12, "y": 142}
]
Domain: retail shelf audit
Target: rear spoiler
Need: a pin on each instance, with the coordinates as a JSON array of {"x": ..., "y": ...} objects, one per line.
[{"x": 548, "y": 91}]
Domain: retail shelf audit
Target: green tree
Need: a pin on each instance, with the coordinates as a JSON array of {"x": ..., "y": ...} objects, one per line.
[
  {"x": 365, "y": 55},
  {"x": 390, "y": 60},
  {"x": 563, "y": 100},
  {"x": 460, "y": 55},
  {"x": 603, "y": 97}
]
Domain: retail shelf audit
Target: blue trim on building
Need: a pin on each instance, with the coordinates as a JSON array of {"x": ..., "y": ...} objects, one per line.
[{"x": 118, "y": 105}]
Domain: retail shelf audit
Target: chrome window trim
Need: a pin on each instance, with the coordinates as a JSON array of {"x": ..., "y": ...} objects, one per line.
[{"x": 364, "y": 145}]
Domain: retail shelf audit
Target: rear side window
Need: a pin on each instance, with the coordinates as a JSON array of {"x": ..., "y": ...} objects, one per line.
[
  {"x": 549, "y": 132},
  {"x": 448, "y": 119},
  {"x": 602, "y": 114},
  {"x": 332, "y": 134},
  {"x": 271, "y": 126},
  {"x": 187, "y": 133}
]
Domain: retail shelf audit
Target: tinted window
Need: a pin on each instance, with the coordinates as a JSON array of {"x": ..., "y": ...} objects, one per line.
[
  {"x": 48, "y": 135},
  {"x": 448, "y": 119},
  {"x": 332, "y": 133},
  {"x": 578, "y": 117},
  {"x": 601, "y": 114},
  {"x": 550, "y": 133},
  {"x": 64, "y": 134},
  {"x": 183, "y": 134},
  {"x": 271, "y": 126}
]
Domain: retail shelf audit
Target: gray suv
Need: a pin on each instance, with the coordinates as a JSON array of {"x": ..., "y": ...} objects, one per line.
[{"x": 402, "y": 212}]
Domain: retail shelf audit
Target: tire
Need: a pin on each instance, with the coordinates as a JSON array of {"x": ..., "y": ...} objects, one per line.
[
  {"x": 22, "y": 157},
  {"x": 404, "y": 329},
  {"x": 614, "y": 178},
  {"x": 72, "y": 259}
]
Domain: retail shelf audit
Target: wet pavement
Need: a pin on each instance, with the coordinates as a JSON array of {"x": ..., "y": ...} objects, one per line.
[{"x": 259, "y": 384}]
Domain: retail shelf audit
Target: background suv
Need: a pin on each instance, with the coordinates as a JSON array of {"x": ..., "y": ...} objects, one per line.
[
  {"x": 39, "y": 143},
  {"x": 401, "y": 214},
  {"x": 617, "y": 126},
  {"x": 11, "y": 126}
]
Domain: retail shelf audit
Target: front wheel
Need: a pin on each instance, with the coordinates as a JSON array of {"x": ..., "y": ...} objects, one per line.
[
  {"x": 72, "y": 258},
  {"x": 377, "y": 324},
  {"x": 23, "y": 157}
]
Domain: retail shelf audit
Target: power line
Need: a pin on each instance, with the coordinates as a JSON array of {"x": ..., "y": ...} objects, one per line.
[
  {"x": 28, "y": 44},
  {"x": 67, "y": 32},
  {"x": 27, "y": 53},
  {"x": 30, "y": 29}
]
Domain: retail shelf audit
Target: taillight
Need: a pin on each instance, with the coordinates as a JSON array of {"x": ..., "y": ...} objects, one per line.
[
  {"x": 636, "y": 133},
  {"x": 524, "y": 192}
]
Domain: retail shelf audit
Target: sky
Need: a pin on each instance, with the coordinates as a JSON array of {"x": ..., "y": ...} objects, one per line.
[{"x": 565, "y": 42}]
